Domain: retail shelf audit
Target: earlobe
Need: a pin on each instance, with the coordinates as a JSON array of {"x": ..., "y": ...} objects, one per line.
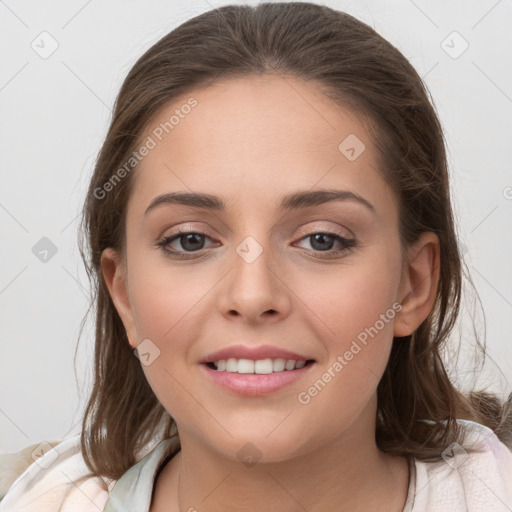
[
  {"x": 114, "y": 274},
  {"x": 418, "y": 288}
]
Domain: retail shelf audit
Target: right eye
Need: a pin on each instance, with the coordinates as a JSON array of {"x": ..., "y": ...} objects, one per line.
[{"x": 189, "y": 241}]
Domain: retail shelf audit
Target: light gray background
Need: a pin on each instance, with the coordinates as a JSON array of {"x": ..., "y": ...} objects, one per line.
[{"x": 55, "y": 113}]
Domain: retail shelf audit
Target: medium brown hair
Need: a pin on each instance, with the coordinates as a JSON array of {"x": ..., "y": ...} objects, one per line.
[{"x": 353, "y": 65}]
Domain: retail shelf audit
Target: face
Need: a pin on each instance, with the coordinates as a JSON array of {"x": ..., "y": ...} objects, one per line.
[{"x": 322, "y": 279}]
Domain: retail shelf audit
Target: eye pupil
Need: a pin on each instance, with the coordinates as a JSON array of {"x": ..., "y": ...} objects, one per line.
[
  {"x": 321, "y": 237},
  {"x": 193, "y": 238}
]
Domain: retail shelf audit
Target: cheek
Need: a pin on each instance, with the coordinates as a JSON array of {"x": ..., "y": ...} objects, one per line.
[
  {"x": 165, "y": 308},
  {"x": 354, "y": 310},
  {"x": 355, "y": 301},
  {"x": 168, "y": 309},
  {"x": 164, "y": 299}
]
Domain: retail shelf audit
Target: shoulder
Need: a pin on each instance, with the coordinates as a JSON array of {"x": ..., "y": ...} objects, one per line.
[
  {"x": 59, "y": 480},
  {"x": 474, "y": 476}
]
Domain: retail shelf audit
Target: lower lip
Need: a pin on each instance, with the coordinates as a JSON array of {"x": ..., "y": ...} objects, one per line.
[{"x": 249, "y": 384}]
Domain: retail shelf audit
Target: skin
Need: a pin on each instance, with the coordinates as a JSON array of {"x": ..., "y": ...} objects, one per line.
[{"x": 250, "y": 141}]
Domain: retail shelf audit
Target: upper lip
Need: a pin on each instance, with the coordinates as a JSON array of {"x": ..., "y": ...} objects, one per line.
[{"x": 254, "y": 353}]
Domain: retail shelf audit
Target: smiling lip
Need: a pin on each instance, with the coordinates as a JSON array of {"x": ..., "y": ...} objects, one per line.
[
  {"x": 254, "y": 353},
  {"x": 254, "y": 385}
]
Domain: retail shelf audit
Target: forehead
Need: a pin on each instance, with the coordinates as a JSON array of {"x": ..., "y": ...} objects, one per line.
[{"x": 253, "y": 139}]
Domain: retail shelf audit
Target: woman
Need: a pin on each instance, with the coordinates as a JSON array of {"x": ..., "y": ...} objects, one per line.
[{"x": 270, "y": 235}]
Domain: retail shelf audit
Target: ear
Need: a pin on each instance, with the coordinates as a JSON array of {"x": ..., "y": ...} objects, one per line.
[
  {"x": 114, "y": 273},
  {"x": 418, "y": 286}
]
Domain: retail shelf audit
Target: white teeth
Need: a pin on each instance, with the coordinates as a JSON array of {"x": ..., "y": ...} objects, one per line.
[
  {"x": 279, "y": 365},
  {"x": 231, "y": 365},
  {"x": 290, "y": 365},
  {"x": 245, "y": 366},
  {"x": 261, "y": 366}
]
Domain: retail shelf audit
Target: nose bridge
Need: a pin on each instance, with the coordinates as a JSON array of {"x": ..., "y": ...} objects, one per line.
[
  {"x": 254, "y": 285},
  {"x": 253, "y": 263},
  {"x": 254, "y": 239}
]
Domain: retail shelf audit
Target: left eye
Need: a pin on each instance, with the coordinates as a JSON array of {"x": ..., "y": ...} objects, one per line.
[{"x": 323, "y": 242}]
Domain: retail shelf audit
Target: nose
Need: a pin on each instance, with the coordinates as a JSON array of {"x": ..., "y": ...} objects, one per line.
[{"x": 256, "y": 289}]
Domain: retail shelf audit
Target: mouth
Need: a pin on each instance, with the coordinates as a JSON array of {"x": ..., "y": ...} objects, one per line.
[
  {"x": 258, "y": 367},
  {"x": 256, "y": 378}
]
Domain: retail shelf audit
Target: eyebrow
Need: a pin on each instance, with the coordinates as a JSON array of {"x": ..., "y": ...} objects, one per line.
[{"x": 293, "y": 201}]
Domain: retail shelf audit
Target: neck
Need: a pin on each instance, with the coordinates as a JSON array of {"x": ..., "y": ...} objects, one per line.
[{"x": 349, "y": 473}]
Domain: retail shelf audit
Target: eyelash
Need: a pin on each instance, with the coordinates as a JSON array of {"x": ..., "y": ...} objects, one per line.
[{"x": 347, "y": 243}]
